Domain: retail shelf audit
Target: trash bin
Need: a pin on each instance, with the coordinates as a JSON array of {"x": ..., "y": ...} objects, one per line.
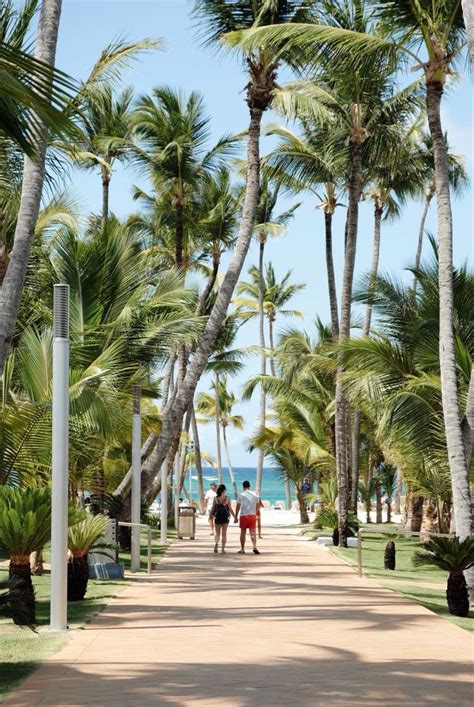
[{"x": 186, "y": 522}]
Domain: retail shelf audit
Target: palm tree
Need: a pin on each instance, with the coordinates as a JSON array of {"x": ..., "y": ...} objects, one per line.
[
  {"x": 107, "y": 135},
  {"x": 206, "y": 405},
  {"x": 458, "y": 179},
  {"x": 271, "y": 297},
  {"x": 455, "y": 556},
  {"x": 29, "y": 84},
  {"x": 218, "y": 17},
  {"x": 308, "y": 163},
  {"x": 112, "y": 60},
  {"x": 432, "y": 36},
  {"x": 32, "y": 187}
]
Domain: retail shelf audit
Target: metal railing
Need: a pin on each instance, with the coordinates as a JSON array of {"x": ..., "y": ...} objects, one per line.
[
  {"x": 149, "y": 530},
  {"x": 421, "y": 533}
]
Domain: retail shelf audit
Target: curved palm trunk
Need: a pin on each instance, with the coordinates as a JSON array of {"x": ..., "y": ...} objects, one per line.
[
  {"x": 342, "y": 462},
  {"x": 374, "y": 267},
  {"x": 452, "y": 416},
  {"x": 31, "y": 191},
  {"x": 229, "y": 463},
  {"x": 421, "y": 233},
  {"x": 262, "y": 79},
  {"x": 179, "y": 234},
  {"x": 263, "y": 362},
  {"x": 331, "y": 276},
  {"x": 218, "y": 429},
  {"x": 197, "y": 453}
]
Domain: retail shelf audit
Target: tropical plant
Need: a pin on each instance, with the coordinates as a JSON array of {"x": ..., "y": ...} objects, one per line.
[
  {"x": 430, "y": 34},
  {"x": 25, "y": 525},
  {"x": 329, "y": 518},
  {"x": 454, "y": 556},
  {"x": 366, "y": 491},
  {"x": 206, "y": 405},
  {"x": 217, "y": 18},
  {"x": 83, "y": 537},
  {"x": 30, "y": 86},
  {"x": 12, "y": 603}
]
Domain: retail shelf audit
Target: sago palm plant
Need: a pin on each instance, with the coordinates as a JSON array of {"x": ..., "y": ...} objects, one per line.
[
  {"x": 12, "y": 603},
  {"x": 25, "y": 526},
  {"x": 83, "y": 537},
  {"x": 455, "y": 556}
]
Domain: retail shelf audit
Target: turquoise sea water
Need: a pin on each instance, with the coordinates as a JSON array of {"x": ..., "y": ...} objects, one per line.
[{"x": 272, "y": 484}]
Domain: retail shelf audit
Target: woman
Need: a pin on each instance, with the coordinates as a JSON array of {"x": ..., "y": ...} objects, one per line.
[{"x": 221, "y": 511}]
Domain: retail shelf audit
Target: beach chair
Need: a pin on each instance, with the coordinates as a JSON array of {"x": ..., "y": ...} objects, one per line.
[
  {"x": 279, "y": 506},
  {"x": 266, "y": 505},
  {"x": 295, "y": 506}
]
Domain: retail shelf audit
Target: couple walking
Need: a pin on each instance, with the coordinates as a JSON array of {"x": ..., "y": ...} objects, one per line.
[{"x": 221, "y": 510}]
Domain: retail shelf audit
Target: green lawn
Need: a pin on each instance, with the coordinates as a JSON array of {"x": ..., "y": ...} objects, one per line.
[
  {"x": 21, "y": 650},
  {"x": 406, "y": 578}
]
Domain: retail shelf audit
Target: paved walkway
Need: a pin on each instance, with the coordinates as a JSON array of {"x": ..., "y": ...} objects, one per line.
[{"x": 291, "y": 627}]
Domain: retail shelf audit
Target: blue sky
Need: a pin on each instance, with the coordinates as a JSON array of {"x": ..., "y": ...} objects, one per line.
[{"x": 88, "y": 25}]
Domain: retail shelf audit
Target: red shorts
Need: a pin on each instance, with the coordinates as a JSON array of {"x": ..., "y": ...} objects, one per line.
[{"x": 249, "y": 522}]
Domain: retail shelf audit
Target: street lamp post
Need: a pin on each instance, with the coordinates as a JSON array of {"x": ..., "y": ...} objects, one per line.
[
  {"x": 164, "y": 503},
  {"x": 136, "y": 478},
  {"x": 60, "y": 458}
]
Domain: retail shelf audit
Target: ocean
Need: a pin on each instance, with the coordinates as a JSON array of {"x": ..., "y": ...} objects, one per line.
[{"x": 272, "y": 484}]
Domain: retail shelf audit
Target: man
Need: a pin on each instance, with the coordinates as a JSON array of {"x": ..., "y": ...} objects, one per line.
[
  {"x": 209, "y": 497},
  {"x": 247, "y": 503},
  {"x": 306, "y": 486}
]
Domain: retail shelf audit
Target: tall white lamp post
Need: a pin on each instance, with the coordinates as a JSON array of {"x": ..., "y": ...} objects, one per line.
[
  {"x": 136, "y": 478},
  {"x": 60, "y": 458},
  {"x": 164, "y": 503}
]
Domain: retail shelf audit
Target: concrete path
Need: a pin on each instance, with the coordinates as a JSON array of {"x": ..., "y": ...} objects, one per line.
[{"x": 293, "y": 626}]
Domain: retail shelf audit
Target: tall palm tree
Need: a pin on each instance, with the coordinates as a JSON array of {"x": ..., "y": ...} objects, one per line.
[
  {"x": 107, "y": 135},
  {"x": 111, "y": 62},
  {"x": 217, "y": 17},
  {"x": 307, "y": 162},
  {"x": 431, "y": 35},
  {"x": 277, "y": 294},
  {"x": 29, "y": 84},
  {"x": 32, "y": 187},
  {"x": 206, "y": 405}
]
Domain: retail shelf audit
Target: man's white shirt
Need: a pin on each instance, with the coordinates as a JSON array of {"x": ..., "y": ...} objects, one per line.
[
  {"x": 210, "y": 496},
  {"x": 248, "y": 503}
]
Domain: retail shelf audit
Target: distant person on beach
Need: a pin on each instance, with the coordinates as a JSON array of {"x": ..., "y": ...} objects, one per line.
[
  {"x": 209, "y": 498},
  {"x": 221, "y": 511},
  {"x": 247, "y": 503},
  {"x": 306, "y": 486}
]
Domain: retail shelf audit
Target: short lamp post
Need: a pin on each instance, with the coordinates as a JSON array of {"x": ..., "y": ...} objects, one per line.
[
  {"x": 60, "y": 459},
  {"x": 136, "y": 478}
]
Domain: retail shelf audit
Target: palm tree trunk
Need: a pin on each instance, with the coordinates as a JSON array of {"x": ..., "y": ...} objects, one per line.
[
  {"x": 229, "y": 463},
  {"x": 374, "y": 267},
  {"x": 331, "y": 276},
  {"x": 197, "y": 453},
  {"x": 429, "y": 195},
  {"x": 272, "y": 346},
  {"x": 462, "y": 505},
  {"x": 304, "y": 518},
  {"x": 31, "y": 190},
  {"x": 105, "y": 198},
  {"x": 176, "y": 408},
  {"x": 468, "y": 12},
  {"x": 344, "y": 332},
  {"x": 182, "y": 461},
  {"x": 218, "y": 429},
  {"x": 263, "y": 361},
  {"x": 179, "y": 234}
]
